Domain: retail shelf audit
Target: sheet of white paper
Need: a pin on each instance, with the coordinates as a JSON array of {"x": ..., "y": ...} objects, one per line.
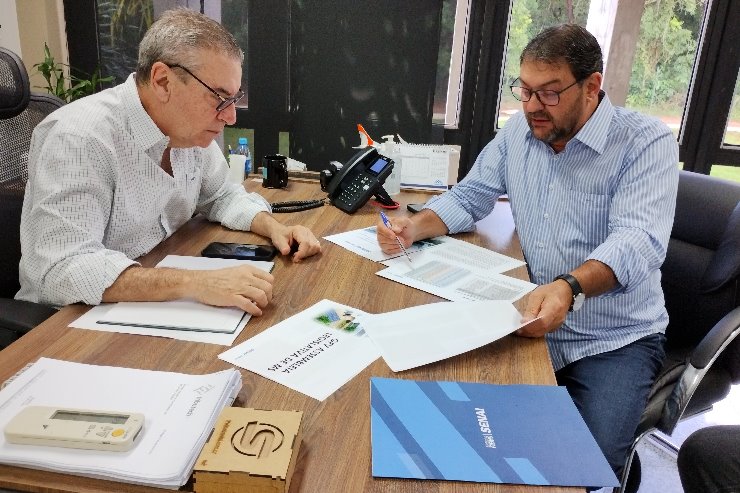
[
  {"x": 458, "y": 271},
  {"x": 89, "y": 320},
  {"x": 180, "y": 411},
  {"x": 313, "y": 352},
  {"x": 453, "y": 251},
  {"x": 453, "y": 283},
  {"x": 363, "y": 242},
  {"x": 424, "y": 334}
]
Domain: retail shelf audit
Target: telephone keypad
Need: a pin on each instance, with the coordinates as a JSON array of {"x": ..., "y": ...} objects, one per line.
[{"x": 359, "y": 184}]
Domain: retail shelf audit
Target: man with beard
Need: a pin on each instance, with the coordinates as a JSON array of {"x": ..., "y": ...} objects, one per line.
[{"x": 592, "y": 190}]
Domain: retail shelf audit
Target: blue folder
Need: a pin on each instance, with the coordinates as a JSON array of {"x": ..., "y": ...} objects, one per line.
[{"x": 519, "y": 434}]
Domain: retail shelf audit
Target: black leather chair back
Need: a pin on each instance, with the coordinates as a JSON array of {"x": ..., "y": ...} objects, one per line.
[
  {"x": 701, "y": 273},
  {"x": 20, "y": 112},
  {"x": 701, "y": 285}
]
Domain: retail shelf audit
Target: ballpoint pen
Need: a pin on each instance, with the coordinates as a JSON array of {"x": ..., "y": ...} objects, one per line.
[{"x": 388, "y": 224}]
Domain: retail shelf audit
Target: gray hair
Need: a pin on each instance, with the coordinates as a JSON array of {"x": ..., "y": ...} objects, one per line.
[
  {"x": 570, "y": 43},
  {"x": 177, "y": 37}
]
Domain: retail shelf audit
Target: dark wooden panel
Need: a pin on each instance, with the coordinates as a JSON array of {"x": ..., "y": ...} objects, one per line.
[{"x": 354, "y": 63}]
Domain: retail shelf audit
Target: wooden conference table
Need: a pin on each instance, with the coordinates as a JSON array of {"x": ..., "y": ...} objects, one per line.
[{"x": 335, "y": 455}]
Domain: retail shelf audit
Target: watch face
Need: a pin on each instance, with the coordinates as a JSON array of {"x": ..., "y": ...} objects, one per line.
[{"x": 578, "y": 301}]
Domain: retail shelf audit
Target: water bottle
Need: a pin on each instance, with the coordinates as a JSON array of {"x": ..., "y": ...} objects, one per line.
[{"x": 243, "y": 149}]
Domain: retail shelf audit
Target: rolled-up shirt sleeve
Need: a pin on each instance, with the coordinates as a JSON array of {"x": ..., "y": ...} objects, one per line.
[
  {"x": 641, "y": 212},
  {"x": 475, "y": 196},
  {"x": 225, "y": 202},
  {"x": 63, "y": 257}
]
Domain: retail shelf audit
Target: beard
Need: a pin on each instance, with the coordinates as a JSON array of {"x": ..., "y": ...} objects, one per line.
[{"x": 560, "y": 130}]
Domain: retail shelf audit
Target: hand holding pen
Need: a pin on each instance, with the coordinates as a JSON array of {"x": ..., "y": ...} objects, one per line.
[{"x": 390, "y": 226}]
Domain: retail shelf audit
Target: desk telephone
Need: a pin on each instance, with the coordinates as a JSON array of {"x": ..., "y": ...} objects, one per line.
[{"x": 350, "y": 186}]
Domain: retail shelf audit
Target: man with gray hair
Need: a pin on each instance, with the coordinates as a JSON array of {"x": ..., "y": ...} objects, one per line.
[
  {"x": 593, "y": 190},
  {"x": 113, "y": 174}
]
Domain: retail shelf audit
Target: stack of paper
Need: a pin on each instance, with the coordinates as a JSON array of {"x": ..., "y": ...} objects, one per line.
[{"x": 180, "y": 411}]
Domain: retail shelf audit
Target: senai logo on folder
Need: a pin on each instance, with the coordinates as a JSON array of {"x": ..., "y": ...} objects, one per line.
[{"x": 445, "y": 430}]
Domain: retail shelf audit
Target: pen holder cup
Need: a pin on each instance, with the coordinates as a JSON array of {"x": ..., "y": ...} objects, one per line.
[{"x": 275, "y": 171}]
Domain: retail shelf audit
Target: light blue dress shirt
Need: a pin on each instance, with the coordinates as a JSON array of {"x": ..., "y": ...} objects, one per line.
[{"x": 610, "y": 195}]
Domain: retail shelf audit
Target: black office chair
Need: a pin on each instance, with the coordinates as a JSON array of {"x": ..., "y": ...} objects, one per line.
[
  {"x": 20, "y": 112},
  {"x": 701, "y": 282}
]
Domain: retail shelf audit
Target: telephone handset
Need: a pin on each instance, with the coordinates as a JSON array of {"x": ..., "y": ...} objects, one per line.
[{"x": 350, "y": 187}]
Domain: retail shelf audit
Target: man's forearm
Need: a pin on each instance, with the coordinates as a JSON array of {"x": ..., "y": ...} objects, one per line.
[
  {"x": 595, "y": 277},
  {"x": 428, "y": 225},
  {"x": 265, "y": 225},
  {"x": 147, "y": 284}
]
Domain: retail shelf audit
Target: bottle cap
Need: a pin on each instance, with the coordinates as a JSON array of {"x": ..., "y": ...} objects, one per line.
[{"x": 243, "y": 140}]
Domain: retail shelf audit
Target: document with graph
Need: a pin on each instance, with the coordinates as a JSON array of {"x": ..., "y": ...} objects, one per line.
[
  {"x": 314, "y": 352},
  {"x": 364, "y": 242},
  {"x": 459, "y": 271}
]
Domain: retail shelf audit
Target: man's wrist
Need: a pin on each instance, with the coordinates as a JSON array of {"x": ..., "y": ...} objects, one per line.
[{"x": 578, "y": 296}]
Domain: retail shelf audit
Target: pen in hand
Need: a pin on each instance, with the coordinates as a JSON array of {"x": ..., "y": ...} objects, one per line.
[{"x": 388, "y": 225}]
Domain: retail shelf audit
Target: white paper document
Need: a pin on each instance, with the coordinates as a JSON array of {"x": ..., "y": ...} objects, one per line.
[
  {"x": 459, "y": 271},
  {"x": 180, "y": 411},
  {"x": 181, "y": 319},
  {"x": 364, "y": 242},
  {"x": 314, "y": 352},
  {"x": 424, "y": 334}
]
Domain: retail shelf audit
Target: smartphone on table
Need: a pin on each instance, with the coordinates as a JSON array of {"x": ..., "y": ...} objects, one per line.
[{"x": 241, "y": 251}]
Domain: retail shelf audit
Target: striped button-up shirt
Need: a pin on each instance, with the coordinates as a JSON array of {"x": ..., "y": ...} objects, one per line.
[
  {"x": 97, "y": 196},
  {"x": 609, "y": 196}
]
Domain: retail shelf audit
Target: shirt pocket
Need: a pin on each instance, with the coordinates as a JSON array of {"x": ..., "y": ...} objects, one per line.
[{"x": 585, "y": 221}]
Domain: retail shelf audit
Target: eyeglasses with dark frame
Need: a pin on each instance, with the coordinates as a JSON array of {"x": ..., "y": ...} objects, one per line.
[
  {"x": 225, "y": 102},
  {"x": 547, "y": 97}
]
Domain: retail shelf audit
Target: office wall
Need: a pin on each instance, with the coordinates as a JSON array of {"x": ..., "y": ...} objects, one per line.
[
  {"x": 9, "y": 37},
  {"x": 41, "y": 21}
]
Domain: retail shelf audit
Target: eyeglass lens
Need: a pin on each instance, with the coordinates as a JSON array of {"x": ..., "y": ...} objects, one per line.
[
  {"x": 546, "y": 97},
  {"x": 225, "y": 102}
]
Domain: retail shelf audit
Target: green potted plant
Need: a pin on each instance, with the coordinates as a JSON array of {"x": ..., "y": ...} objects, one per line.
[{"x": 58, "y": 85}]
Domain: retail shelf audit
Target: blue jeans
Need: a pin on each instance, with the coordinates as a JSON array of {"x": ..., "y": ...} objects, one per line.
[{"x": 611, "y": 390}]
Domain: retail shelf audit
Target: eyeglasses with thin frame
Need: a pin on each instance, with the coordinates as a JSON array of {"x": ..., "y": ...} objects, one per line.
[
  {"x": 225, "y": 102},
  {"x": 547, "y": 97}
]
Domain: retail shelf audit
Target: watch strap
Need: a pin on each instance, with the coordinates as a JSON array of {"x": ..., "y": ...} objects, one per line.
[{"x": 575, "y": 286}]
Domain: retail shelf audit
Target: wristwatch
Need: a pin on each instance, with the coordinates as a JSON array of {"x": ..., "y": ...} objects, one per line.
[{"x": 575, "y": 286}]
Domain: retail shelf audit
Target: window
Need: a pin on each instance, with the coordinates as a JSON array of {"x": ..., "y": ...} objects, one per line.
[
  {"x": 450, "y": 62},
  {"x": 662, "y": 51},
  {"x": 119, "y": 32},
  {"x": 732, "y": 128}
]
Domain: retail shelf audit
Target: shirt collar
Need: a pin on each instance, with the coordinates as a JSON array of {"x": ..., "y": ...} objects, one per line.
[
  {"x": 595, "y": 131},
  {"x": 143, "y": 128}
]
